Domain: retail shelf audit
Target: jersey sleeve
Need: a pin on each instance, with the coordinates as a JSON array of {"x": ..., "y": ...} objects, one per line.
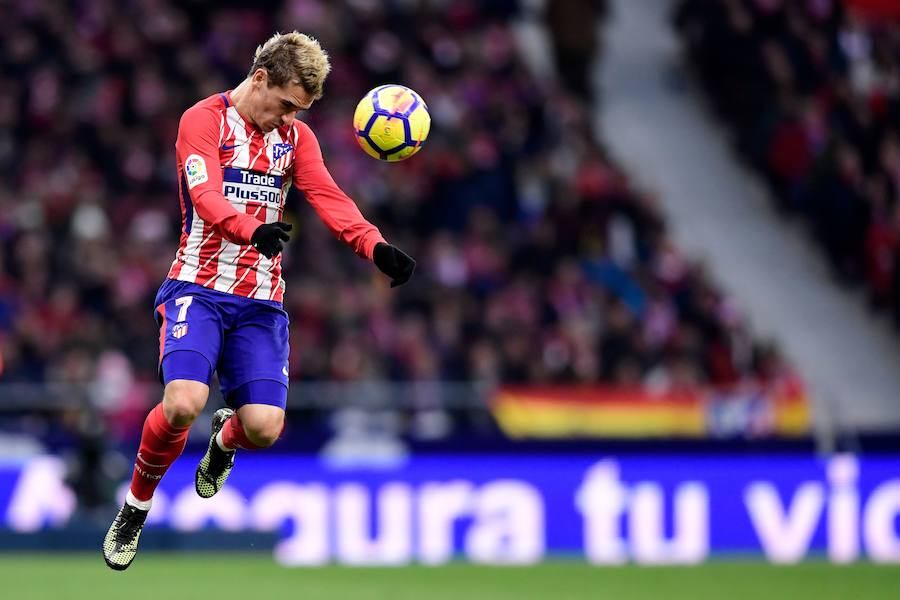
[
  {"x": 197, "y": 153},
  {"x": 339, "y": 213}
]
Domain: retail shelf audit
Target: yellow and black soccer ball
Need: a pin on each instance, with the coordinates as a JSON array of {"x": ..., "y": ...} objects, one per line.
[{"x": 391, "y": 122}]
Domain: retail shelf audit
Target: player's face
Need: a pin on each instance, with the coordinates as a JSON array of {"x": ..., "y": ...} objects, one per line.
[{"x": 276, "y": 106}]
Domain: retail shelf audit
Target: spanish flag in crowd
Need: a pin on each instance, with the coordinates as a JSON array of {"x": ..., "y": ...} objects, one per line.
[{"x": 751, "y": 411}]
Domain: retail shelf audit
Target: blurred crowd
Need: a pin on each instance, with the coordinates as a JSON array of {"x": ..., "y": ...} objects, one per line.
[
  {"x": 813, "y": 91},
  {"x": 538, "y": 260}
]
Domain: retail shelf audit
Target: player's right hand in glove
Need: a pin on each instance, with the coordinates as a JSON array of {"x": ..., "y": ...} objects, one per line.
[
  {"x": 269, "y": 238},
  {"x": 394, "y": 263}
]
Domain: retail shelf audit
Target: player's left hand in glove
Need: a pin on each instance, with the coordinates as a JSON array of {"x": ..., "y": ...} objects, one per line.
[
  {"x": 394, "y": 263},
  {"x": 269, "y": 238}
]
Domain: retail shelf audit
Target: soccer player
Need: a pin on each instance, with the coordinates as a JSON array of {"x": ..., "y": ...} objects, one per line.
[{"x": 219, "y": 309}]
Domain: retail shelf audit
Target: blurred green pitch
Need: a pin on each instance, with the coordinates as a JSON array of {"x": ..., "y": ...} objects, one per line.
[{"x": 249, "y": 577}]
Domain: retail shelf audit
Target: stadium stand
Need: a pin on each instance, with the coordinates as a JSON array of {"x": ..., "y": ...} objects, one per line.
[
  {"x": 812, "y": 90},
  {"x": 539, "y": 262}
]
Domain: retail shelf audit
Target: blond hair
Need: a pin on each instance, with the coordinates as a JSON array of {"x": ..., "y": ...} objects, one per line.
[{"x": 293, "y": 57}]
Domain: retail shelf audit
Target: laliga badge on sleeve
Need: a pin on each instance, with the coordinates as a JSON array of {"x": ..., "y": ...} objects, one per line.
[{"x": 195, "y": 169}]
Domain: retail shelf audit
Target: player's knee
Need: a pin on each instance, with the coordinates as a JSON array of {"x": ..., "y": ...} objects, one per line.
[
  {"x": 183, "y": 401},
  {"x": 264, "y": 432}
]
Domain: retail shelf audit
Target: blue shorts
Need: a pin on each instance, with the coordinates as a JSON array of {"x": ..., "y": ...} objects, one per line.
[{"x": 243, "y": 340}]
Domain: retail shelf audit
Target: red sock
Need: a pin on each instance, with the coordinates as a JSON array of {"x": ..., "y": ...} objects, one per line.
[
  {"x": 234, "y": 436},
  {"x": 161, "y": 444}
]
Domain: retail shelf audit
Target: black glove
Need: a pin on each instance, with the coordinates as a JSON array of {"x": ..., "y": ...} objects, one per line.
[
  {"x": 394, "y": 263},
  {"x": 269, "y": 238}
]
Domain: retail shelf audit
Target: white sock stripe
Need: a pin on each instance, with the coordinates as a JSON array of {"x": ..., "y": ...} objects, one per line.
[
  {"x": 221, "y": 443},
  {"x": 141, "y": 504},
  {"x": 150, "y": 464}
]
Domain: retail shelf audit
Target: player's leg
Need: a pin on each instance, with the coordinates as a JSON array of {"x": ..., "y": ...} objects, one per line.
[
  {"x": 253, "y": 377},
  {"x": 257, "y": 423},
  {"x": 163, "y": 439},
  {"x": 166, "y": 429},
  {"x": 188, "y": 348}
]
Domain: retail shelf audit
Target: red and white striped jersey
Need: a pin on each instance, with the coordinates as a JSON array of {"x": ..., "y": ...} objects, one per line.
[{"x": 232, "y": 178}]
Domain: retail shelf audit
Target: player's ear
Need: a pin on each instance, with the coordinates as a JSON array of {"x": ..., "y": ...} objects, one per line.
[{"x": 260, "y": 76}]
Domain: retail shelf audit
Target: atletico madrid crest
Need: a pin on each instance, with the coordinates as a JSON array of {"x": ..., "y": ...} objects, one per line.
[
  {"x": 279, "y": 150},
  {"x": 179, "y": 330}
]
